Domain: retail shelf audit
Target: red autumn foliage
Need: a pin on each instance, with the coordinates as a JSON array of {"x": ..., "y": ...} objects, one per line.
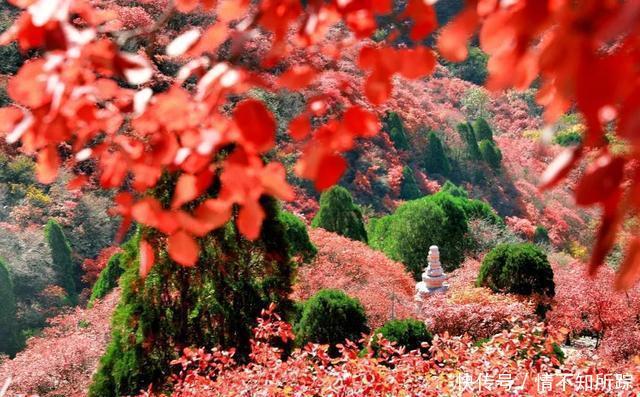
[
  {"x": 93, "y": 267},
  {"x": 383, "y": 286},
  {"x": 61, "y": 361}
]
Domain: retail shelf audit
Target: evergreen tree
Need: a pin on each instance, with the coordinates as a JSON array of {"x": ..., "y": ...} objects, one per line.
[
  {"x": 436, "y": 161},
  {"x": 482, "y": 130},
  {"x": 213, "y": 303},
  {"x": 108, "y": 279},
  {"x": 9, "y": 341},
  {"x": 297, "y": 237},
  {"x": 392, "y": 123},
  {"x": 340, "y": 215},
  {"x": 409, "y": 189},
  {"x": 62, "y": 260},
  {"x": 466, "y": 132},
  {"x": 491, "y": 154}
]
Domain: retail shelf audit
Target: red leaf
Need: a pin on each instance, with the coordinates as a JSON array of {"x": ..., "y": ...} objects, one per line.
[
  {"x": 361, "y": 122},
  {"x": 147, "y": 258},
  {"x": 183, "y": 249},
  {"x": 28, "y": 87},
  {"x": 609, "y": 226},
  {"x": 560, "y": 167},
  {"x": 256, "y": 124},
  {"x": 250, "y": 219},
  {"x": 78, "y": 182},
  {"x": 296, "y": 78},
  {"x": 601, "y": 179},
  {"x": 48, "y": 164},
  {"x": 378, "y": 88},
  {"x": 274, "y": 180},
  {"x": 148, "y": 211},
  {"x": 186, "y": 190},
  {"x": 186, "y": 6},
  {"x": 214, "y": 213},
  {"x": 299, "y": 127},
  {"x": 331, "y": 168},
  {"x": 452, "y": 42},
  {"x": 424, "y": 18},
  {"x": 417, "y": 62},
  {"x": 629, "y": 272}
]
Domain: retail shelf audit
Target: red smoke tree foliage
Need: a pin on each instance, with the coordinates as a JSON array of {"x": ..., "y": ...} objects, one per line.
[
  {"x": 383, "y": 286},
  {"x": 584, "y": 52}
]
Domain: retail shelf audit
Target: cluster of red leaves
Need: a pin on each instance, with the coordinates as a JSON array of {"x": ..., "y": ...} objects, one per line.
[
  {"x": 61, "y": 361},
  {"x": 523, "y": 352},
  {"x": 466, "y": 309},
  {"x": 382, "y": 285},
  {"x": 93, "y": 267},
  {"x": 591, "y": 307},
  {"x": 69, "y": 96}
]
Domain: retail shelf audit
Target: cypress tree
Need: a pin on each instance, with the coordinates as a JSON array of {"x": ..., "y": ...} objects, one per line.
[
  {"x": 491, "y": 154},
  {"x": 466, "y": 132},
  {"x": 436, "y": 161},
  {"x": 213, "y": 303},
  {"x": 296, "y": 235},
  {"x": 340, "y": 215},
  {"x": 409, "y": 189},
  {"x": 392, "y": 123},
  {"x": 9, "y": 341},
  {"x": 108, "y": 279},
  {"x": 482, "y": 130},
  {"x": 62, "y": 260}
]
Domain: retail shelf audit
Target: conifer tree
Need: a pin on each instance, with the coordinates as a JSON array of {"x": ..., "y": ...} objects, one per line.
[
  {"x": 482, "y": 130},
  {"x": 62, "y": 260},
  {"x": 9, "y": 341},
  {"x": 214, "y": 303},
  {"x": 393, "y": 125},
  {"x": 436, "y": 161},
  {"x": 466, "y": 132},
  {"x": 340, "y": 215},
  {"x": 491, "y": 154},
  {"x": 409, "y": 189}
]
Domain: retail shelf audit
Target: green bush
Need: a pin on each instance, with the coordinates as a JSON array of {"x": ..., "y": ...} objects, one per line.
[
  {"x": 454, "y": 190},
  {"x": 392, "y": 124},
  {"x": 409, "y": 189},
  {"x": 541, "y": 235},
  {"x": 409, "y": 333},
  {"x": 482, "y": 130},
  {"x": 472, "y": 69},
  {"x": 108, "y": 279},
  {"x": 10, "y": 59},
  {"x": 377, "y": 230},
  {"x": 436, "y": 161},
  {"x": 340, "y": 215},
  {"x": 569, "y": 137},
  {"x": 62, "y": 260},
  {"x": 329, "y": 317},
  {"x": 297, "y": 237},
  {"x": 517, "y": 268},
  {"x": 466, "y": 132},
  {"x": 9, "y": 341},
  {"x": 491, "y": 154},
  {"x": 214, "y": 303}
]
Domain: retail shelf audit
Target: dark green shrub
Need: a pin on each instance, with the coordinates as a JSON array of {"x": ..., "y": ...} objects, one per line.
[
  {"x": 392, "y": 124},
  {"x": 377, "y": 230},
  {"x": 482, "y": 130},
  {"x": 436, "y": 161},
  {"x": 491, "y": 154},
  {"x": 409, "y": 189},
  {"x": 570, "y": 137},
  {"x": 517, "y": 268},
  {"x": 472, "y": 69},
  {"x": 541, "y": 235},
  {"x": 297, "y": 237},
  {"x": 454, "y": 190},
  {"x": 409, "y": 333},
  {"x": 466, "y": 132},
  {"x": 10, "y": 59},
  {"x": 340, "y": 215},
  {"x": 213, "y": 303},
  {"x": 329, "y": 317},
  {"x": 9, "y": 341},
  {"x": 62, "y": 260},
  {"x": 108, "y": 279}
]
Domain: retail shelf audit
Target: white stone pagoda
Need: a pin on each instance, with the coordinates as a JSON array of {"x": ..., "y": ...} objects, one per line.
[{"x": 433, "y": 278}]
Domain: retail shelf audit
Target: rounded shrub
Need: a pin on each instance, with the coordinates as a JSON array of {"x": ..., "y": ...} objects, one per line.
[
  {"x": 490, "y": 153},
  {"x": 340, "y": 215},
  {"x": 329, "y": 317},
  {"x": 517, "y": 268},
  {"x": 483, "y": 130},
  {"x": 295, "y": 232},
  {"x": 409, "y": 333}
]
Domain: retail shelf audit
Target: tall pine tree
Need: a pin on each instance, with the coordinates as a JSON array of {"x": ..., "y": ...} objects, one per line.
[
  {"x": 435, "y": 161},
  {"x": 62, "y": 260},
  {"x": 409, "y": 189},
  {"x": 9, "y": 341}
]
